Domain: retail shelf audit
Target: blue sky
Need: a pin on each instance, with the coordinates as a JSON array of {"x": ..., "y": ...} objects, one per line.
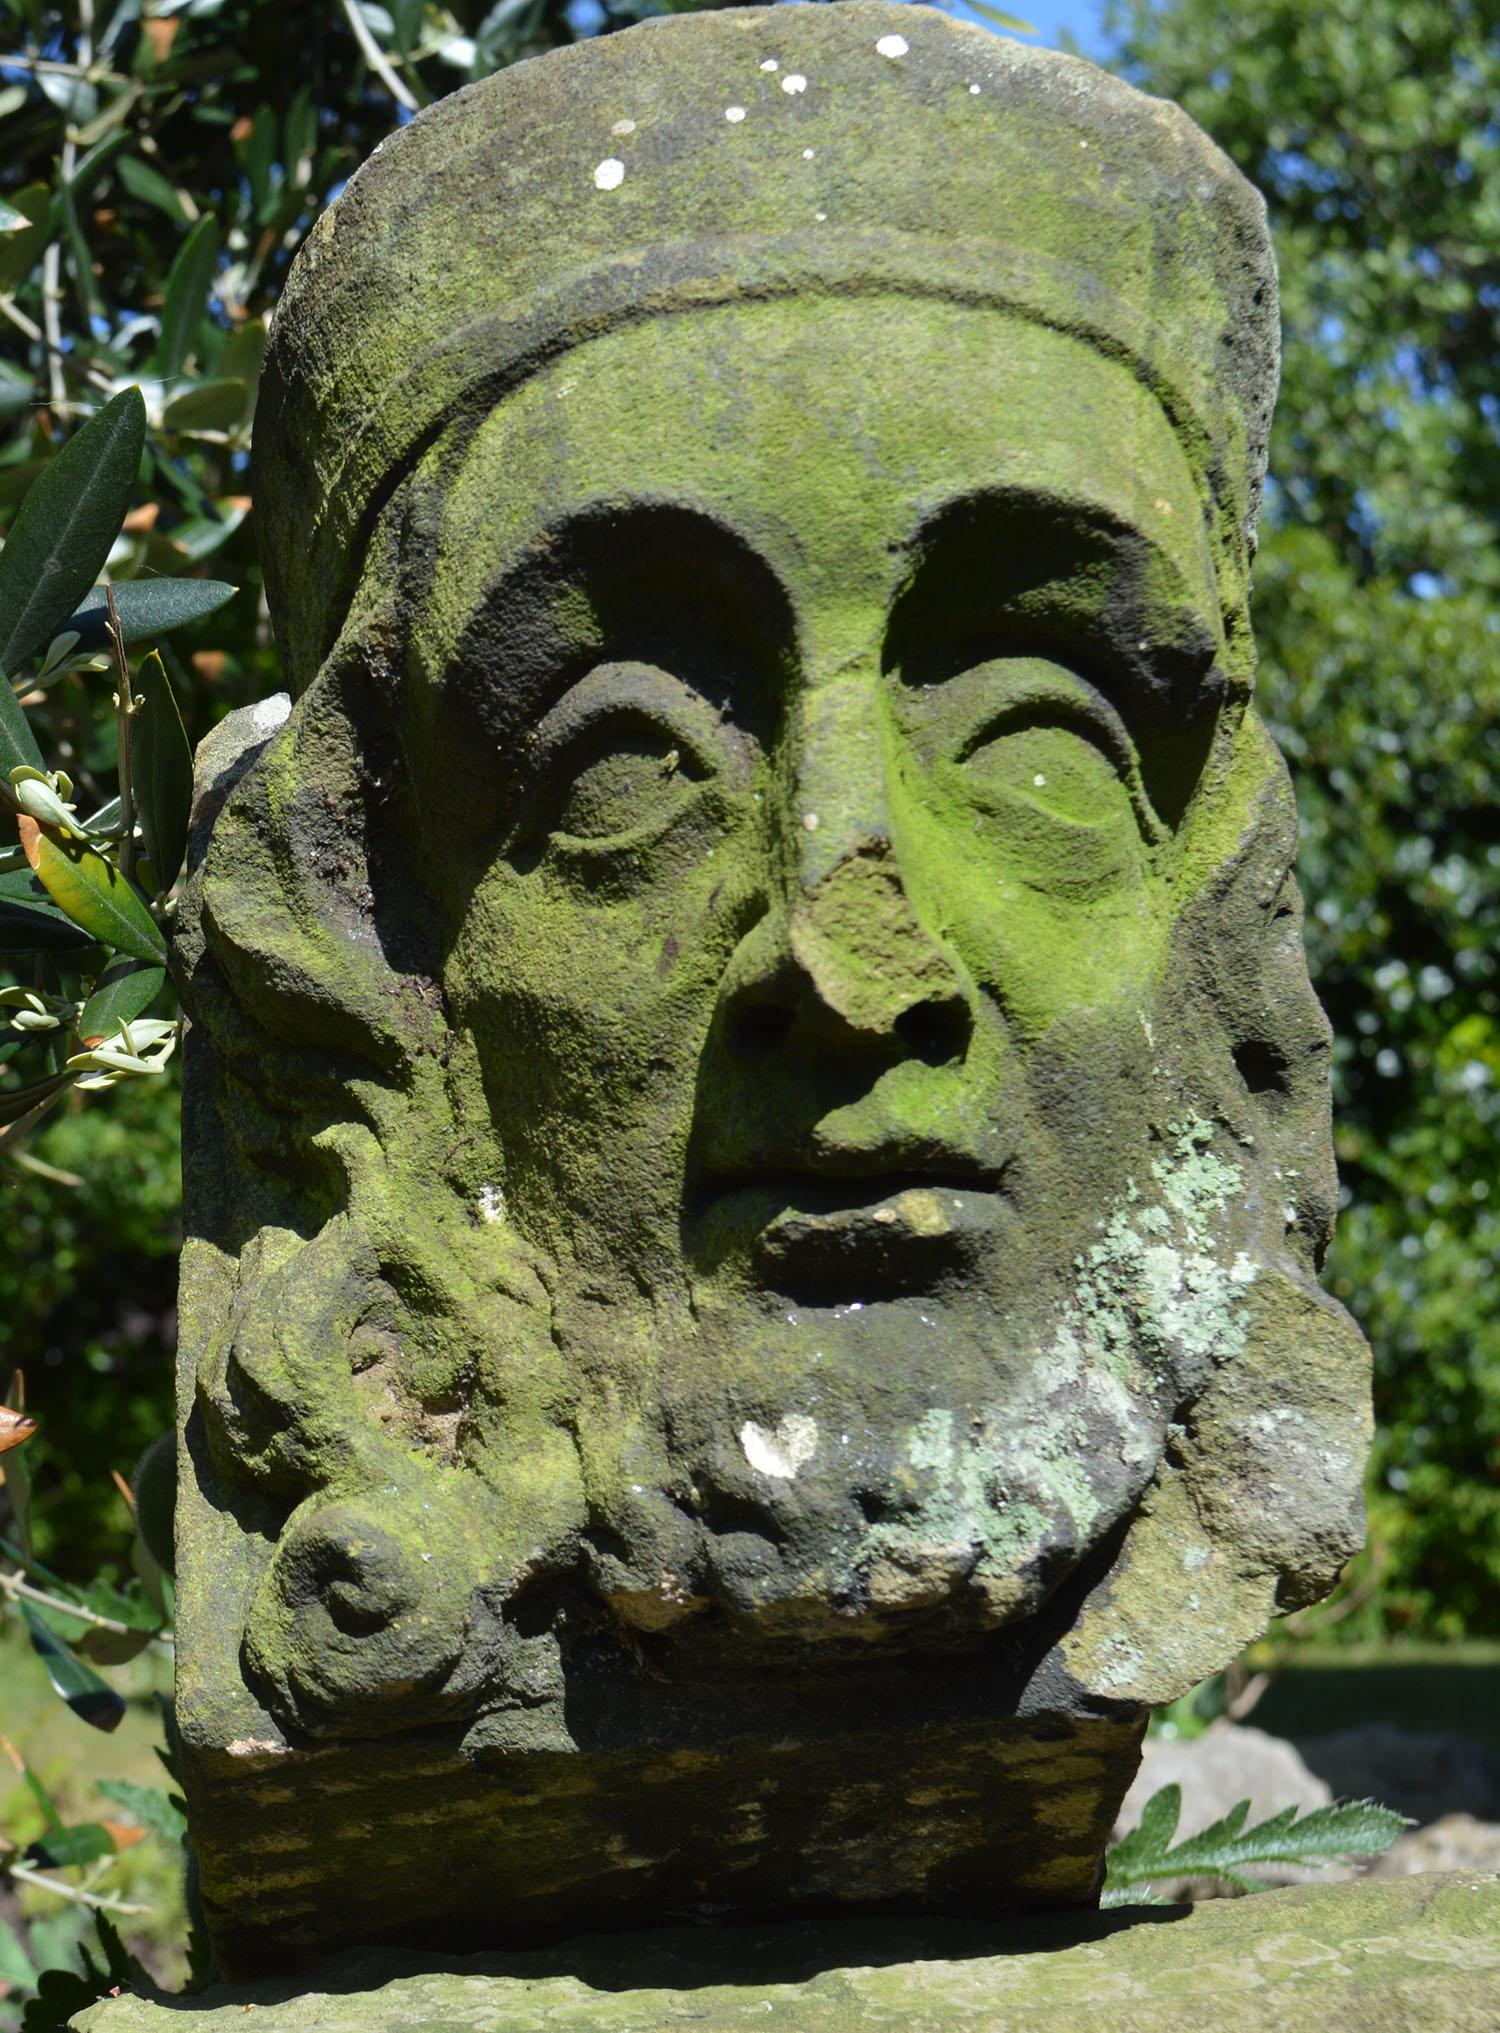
[{"x": 1049, "y": 17}]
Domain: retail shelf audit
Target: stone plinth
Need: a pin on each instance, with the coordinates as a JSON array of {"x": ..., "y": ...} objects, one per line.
[{"x": 1418, "y": 1956}]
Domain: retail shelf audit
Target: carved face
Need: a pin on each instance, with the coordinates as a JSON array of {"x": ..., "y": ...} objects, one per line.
[
  {"x": 806, "y": 730},
  {"x": 810, "y": 1124}
]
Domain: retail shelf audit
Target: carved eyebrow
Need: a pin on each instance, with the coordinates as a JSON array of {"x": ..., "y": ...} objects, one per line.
[
  {"x": 1047, "y": 512},
  {"x": 1022, "y": 574},
  {"x": 661, "y": 583},
  {"x": 1033, "y": 572}
]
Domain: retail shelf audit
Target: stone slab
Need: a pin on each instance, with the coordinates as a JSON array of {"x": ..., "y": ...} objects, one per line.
[{"x": 1418, "y": 1955}]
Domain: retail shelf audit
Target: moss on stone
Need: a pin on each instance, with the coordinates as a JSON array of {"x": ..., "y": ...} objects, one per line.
[{"x": 1414, "y": 1955}]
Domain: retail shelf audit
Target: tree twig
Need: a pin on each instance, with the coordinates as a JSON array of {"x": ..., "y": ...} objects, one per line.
[
  {"x": 12, "y": 1134},
  {"x": 124, "y": 713},
  {"x": 374, "y": 56},
  {"x": 10, "y": 309},
  {"x": 57, "y": 386},
  {"x": 97, "y": 1902},
  {"x": 17, "y": 1587}
]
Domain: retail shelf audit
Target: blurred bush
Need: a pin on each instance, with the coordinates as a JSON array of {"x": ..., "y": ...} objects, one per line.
[{"x": 1369, "y": 125}]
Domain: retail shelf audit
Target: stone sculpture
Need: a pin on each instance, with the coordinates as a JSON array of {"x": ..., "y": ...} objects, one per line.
[{"x": 757, "y": 1135}]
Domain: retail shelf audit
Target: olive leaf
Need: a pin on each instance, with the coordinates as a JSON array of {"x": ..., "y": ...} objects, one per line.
[
  {"x": 147, "y": 608},
  {"x": 124, "y": 991},
  {"x": 188, "y": 283},
  {"x": 21, "y": 246},
  {"x": 29, "y": 920},
  {"x": 58, "y": 544},
  {"x": 93, "y": 893},
  {"x": 72, "y": 1681},
  {"x": 163, "y": 773}
]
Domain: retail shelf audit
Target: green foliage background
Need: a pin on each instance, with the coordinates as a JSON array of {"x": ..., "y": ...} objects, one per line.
[{"x": 1370, "y": 125}]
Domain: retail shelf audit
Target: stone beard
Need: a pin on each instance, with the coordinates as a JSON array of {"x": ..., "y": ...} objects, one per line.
[{"x": 758, "y": 1132}]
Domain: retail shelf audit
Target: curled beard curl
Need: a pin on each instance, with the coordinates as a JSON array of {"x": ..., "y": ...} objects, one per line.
[{"x": 356, "y": 1328}]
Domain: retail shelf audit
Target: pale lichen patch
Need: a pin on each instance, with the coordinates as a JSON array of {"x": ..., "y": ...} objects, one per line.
[
  {"x": 781, "y": 1450},
  {"x": 1151, "y": 1288}
]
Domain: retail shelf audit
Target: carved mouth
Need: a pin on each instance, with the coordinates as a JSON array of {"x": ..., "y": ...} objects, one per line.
[{"x": 898, "y": 1232}]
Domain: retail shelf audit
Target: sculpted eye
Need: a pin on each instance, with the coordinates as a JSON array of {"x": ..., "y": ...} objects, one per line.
[
  {"x": 622, "y": 778},
  {"x": 623, "y": 754},
  {"x": 1058, "y": 768}
]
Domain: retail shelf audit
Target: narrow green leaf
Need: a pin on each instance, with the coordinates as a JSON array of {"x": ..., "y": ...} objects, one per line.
[
  {"x": 125, "y": 990},
  {"x": 21, "y": 248},
  {"x": 188, "y": 283},
  {"x": 164, "y": 772},
  {"x": 18, "y": 744},
  {"x": 107, "y": 815},
  {"x": 18, "y": 388},
  {"x": 62, "y": 536},
  {"x": 998, "y": 19},
  {"x": 207, "y": 406},
  {"x": 242, "y": 358},
  {"x": 153, "y": 1808},
  {"x": 94, "y": 164},
  {"x": 150, "y": 187},
  {"x": 29, "y": 920},
  {"x": 44, "y": 1800},
  {"x": 84, "y": 1843},
  {"x": 260, "y": 161},
  {"x": 72, "y": 1681},
  {"x": 16, "y": 1102},
  {"x": 111, "y": 1648},
  {"x": 300, "y": 128},
  {"x": 199, "y": 536},
  {"x": 98, "y": 898},
  {"x": 148, "y": 608},
  {"x": 127, "y": 1605},
  {"x": 80, "y": 258}
]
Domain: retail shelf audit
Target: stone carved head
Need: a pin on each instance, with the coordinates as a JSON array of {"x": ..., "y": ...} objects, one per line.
[{"x": 756, "y": 1092}]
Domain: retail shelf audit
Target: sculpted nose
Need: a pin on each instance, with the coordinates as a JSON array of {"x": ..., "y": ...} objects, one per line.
[{"x": 847, "y": 961}]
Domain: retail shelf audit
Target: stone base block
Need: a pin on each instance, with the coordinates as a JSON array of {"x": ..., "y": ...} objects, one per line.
[
  {"x": 442, "y": 1846},
  {"x": 1418, "y": 1955}
]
